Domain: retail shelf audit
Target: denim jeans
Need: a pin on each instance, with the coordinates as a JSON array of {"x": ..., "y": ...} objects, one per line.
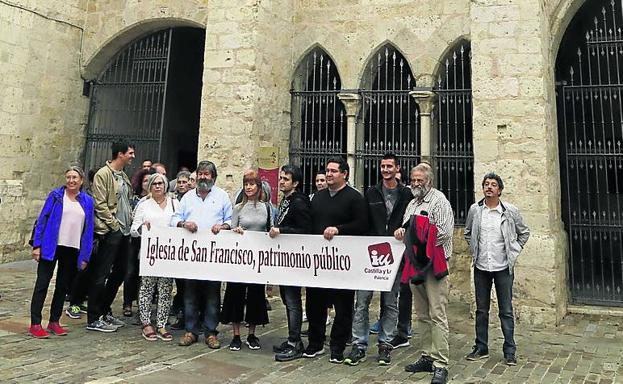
[
  {"x": 291, "y": 297},
  {"x": 195, "y": 292},
  {"x": 387, "y": 322},
  {"x": 503, "y": 281}
]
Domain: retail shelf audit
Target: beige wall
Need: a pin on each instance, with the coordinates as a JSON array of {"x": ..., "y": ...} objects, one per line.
[
  {"x": 252, "y": 49},
  {"x": 42, "y": 110}
]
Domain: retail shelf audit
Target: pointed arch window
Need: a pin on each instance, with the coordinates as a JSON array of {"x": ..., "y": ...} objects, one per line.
[
  {"x": 389, "y": 119},
  {"x": 452, "y": 153},
  {"x": 318, "y": 123}
]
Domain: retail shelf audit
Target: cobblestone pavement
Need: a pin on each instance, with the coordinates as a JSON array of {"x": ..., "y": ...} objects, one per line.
[{"x": 583, "y": 349}]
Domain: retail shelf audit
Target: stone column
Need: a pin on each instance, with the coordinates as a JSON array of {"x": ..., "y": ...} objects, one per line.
[
  {"x": 426, "y": 100},
  {"x": 351, "y": 103}
]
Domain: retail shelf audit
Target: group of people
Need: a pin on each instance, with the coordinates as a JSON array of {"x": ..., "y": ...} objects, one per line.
[{"x": 90, "y": 235}]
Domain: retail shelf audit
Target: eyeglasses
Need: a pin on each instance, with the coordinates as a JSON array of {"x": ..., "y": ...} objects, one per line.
[{"x": 158, "y": 183}]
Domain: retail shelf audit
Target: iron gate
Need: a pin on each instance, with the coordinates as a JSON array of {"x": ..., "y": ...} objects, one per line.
[
  {"x": 127, "y": 101},
  {"x": 590, "y": 126},
  {"x": 452, "y": 151},
  {"x": 318, "y": 129},
  {"x": 389, "y": 117}
]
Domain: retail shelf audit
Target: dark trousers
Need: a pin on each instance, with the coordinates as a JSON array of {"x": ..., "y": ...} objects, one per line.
[
  {"x": 79, "y": 287},
  {"x": 503, "y": 281},
  {"x": 131, "y": 280},
  {"x": 291, "y": 297},
  {"x": 107, "y": 271},
  {"x": 197, "y": 292},
  {"x": 67, "y": 268},
  {"x": 178, "y": 300},
  {"x": 241, "y": 296},
  {"x": 317, "y": 300},
  {"x": 405, "y": 304}
]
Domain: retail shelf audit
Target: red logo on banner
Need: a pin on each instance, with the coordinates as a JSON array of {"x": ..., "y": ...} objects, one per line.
[{"x": 380, "y": 254}]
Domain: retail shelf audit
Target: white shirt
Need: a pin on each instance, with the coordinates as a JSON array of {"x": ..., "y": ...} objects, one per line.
[
  {"x": 491, "y": 252},
  {"x": 72, "y": 223},
  {"x": 150, "y": 210}
]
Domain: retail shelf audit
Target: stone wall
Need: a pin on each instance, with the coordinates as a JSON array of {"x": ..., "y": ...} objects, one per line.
[{"x": 42, "y": 110}]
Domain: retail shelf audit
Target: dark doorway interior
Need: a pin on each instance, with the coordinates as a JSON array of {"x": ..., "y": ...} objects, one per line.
[{"x": 183, "y": 100}]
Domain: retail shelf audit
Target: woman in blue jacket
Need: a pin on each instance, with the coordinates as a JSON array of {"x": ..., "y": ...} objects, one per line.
[{"x": 63, "y": 232}]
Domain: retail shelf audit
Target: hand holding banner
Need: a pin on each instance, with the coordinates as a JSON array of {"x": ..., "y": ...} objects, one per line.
[{"x": 346, "y": 262}]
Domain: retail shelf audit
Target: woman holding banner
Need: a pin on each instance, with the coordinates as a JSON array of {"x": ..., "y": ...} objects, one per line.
[
  {"x": 252, "y": 214},
  {"x": 157, "y": 211}
]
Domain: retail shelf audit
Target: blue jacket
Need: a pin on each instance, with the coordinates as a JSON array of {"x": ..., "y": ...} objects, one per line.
[{"x": 49, "y": 222}]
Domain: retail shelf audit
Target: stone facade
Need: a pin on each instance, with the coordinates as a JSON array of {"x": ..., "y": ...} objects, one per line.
[{"x": 251, "y": 51}]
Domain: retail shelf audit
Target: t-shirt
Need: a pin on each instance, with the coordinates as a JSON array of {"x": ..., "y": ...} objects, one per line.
[
  {"x": 390, "y": 196},
  {"x": 72, "y": 223},
  {"x": 124, "y": 210},
  {"x": 251, "y": 217}
]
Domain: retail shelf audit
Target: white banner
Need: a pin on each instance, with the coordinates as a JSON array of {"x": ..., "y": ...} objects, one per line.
[{"x": 351, "y": 262}]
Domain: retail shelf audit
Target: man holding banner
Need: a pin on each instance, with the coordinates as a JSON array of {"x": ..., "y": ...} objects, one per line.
[
  {"x": 427, "y": 233},
  {"x": 337, "y": 210},
  {"x": 294, "y": 217},
  {"x": 205, "y": 207},
  {"x": 387, "y": 202}
]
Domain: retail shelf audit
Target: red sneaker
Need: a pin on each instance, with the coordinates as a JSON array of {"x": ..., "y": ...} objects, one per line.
[
  {"x": 56, "y": 329},
  {"x": 38, "y": 332}
]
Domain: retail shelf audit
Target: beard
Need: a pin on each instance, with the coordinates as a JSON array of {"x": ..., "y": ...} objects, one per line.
[
  {"x": 420, "y": 191},
  {"x": 204, "y": 185}
]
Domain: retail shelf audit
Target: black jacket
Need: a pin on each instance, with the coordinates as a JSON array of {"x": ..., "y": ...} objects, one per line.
[
  {"x": 294, "y": 214},
  {"x": 377, "y": 212}
]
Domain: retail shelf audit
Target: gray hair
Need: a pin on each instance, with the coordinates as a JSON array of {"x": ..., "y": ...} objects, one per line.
[
  {"x": 427, "y": 169},
  {"x": 152, "y": 179},
  {"x": 209, "y": 166},
  {"x": 76, "y": 169},
  {"x": 185, "y": 174}
]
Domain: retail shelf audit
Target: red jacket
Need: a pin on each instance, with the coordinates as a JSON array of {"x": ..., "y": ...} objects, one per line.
[{"x": 421, "y": 253}]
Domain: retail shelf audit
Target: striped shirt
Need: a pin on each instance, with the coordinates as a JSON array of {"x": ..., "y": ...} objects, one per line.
[{"x": 439, "y": 213}]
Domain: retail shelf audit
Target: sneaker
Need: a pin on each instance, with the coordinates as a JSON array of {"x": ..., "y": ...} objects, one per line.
[
  {"x": 187, "y": 339},
  {"x": 477, "y": 354},
  {"x": 253, "y": 342},
  {"x": 510, "y": 360},
  {"x": 235, "y": 344},
  {"x": 313, "y": 351},
  {"x": 179, "y": 324},
  {"x": 424, "y": 364},
  {"x": 38, "y": 332},
  {"x": 384, "y": 357},
  {"x": 101, "y": 326},
  {"x": 336, "y": 357},
  {"x": 56, "y": 329},
  {"x": 110, "y": 319},
  {"x": 213, "y": 342},
  {"x": 282, "y": 347},
  {"x": 374, "y": 328},
  {"x": 73, "y": 312},
  {"x": 83, "y": 308},
  {"x": 356, "y": 356},
  {"x": 440, "y": 376},
  {"x": 399, "y": 342},
  {"x": 291, "y": 353}
]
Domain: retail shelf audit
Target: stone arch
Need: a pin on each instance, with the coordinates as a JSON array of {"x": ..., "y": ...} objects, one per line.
[
  {"x": 385, "y": 44},
  {"x": 301, "y": 63},
  {"x": 447, "y": 51},
  {"x": 114, "y": 44},
  {"x": 560, "y": 19}
]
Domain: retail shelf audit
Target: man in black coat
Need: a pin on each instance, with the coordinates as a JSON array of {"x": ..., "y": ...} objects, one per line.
[{"x": 294, "y": 217}]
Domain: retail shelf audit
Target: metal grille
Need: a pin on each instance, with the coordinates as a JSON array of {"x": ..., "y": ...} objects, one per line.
[
  {"x": 590, "y": 126},
  {"x": 127, "y": 101},
  {"x": 318, "y": 119},
  {"x": 389, "y": 116},
  {"x": 452, "y": 151}
]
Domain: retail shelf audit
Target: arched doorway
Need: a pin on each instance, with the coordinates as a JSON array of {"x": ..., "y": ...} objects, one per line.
[
  {"x": 589, "y": 79},
  {"x": 150, "y": 95}
]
